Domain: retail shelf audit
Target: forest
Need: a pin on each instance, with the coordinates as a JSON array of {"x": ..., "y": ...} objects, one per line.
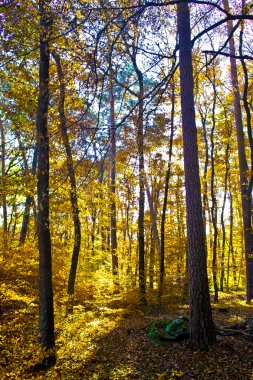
[{"x": 126, "y": 189}]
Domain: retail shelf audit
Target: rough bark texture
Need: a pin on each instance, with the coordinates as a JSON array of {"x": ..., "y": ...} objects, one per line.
[
  {"x": 46, "y": 312},
  {"x": 71, "y": 172},
  {"x": 201, "y": 325},
  {"x": 243, "y": 166}
]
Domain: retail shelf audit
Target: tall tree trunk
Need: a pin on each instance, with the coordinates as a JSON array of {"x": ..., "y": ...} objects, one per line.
[
  {"x": 166, "y": 191},
  {"x": 243, "y": 165},
  {"x": 214, "y": 200},
  {"x": 231, "y": 227},
  {"x": 141, "y": 173},
  {"x": 71, "y": 172},
  {"x": 206, "y": 210},
  {"x": 112, "y": 178},
  {"x": 140, "y": 148},
  {"x": 46, "y": 312},
  {"x": 202, "y": 333},
  {"x": 4, "y": 198},
  {"x": 223, "y": 244},
  {"x": 140, "y": 143},
  {"x": 246, "y": 104}
]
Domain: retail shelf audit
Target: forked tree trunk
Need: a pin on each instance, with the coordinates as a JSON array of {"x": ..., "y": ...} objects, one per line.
[
  {"x": 71, "y": 172},
  {"x": 46, "y": 310},
  {"x": 243, "y": 165},
  {"x": 202, "y": 333}
]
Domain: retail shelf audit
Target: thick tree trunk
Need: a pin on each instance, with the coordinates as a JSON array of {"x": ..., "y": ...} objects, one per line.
[
  {"x": 71, "y": 172},
  {"x": 112, "y": 183},
  {"x": 202, "y": 333},
  {"x": 46, "y": 312},
  {"x": 243, "y": 166}
]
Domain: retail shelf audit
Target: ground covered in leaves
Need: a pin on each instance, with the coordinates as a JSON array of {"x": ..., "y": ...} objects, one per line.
[{"x": 106, "y": 338}]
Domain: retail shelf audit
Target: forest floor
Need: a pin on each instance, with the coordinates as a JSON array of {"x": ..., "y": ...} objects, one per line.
[{"x": 106, "y": 338}]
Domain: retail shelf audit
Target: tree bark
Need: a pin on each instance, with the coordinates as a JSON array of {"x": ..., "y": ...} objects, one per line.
[
  {"x": 112, "y": 179},
  {"x": 214, "y": 215},
  {"x": 140, "y": 142},
  {"x": 243, "y": 165},
  {"x": 202, "y": 333},
  {"x": 4, "y": 198},
  {"x": 28, "y": 202},
  {"x": 166, "y": 191},
  {"x": 141, "y": 173},
  {"x": 153, "y": 217},
  {"x": 46, "y": 309},
  {"x": 223, "y": 244},
  {"x": 71, "y": 172}
]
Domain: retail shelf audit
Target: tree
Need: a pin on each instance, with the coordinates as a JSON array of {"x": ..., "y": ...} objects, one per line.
[
  {"x": 166, "y": 190},
  {"x": 202, "y": 333},
  {"x": 243, "y": 165},
  {"x": 46, "y": 308},
  {"x": 71, "y": 173},
  {"x": 4, "y": 199},
  {"x": 133, "y": 52},
  {"x": 113, "y": 223},
  {"x": 29, "y": 199}
]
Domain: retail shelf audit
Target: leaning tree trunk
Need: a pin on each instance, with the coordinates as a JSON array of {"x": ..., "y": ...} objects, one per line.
[
  {"x": 243, "y": 165},
  {"x": 202, "y": 333},
  {"x": 71, "y": 172},
  {"x": 46, "y": 311}
]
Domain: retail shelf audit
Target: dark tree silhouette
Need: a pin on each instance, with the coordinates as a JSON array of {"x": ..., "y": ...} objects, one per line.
[
  {"x": 202, "y": 333},
  {"x": 46, "y": 310}
]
